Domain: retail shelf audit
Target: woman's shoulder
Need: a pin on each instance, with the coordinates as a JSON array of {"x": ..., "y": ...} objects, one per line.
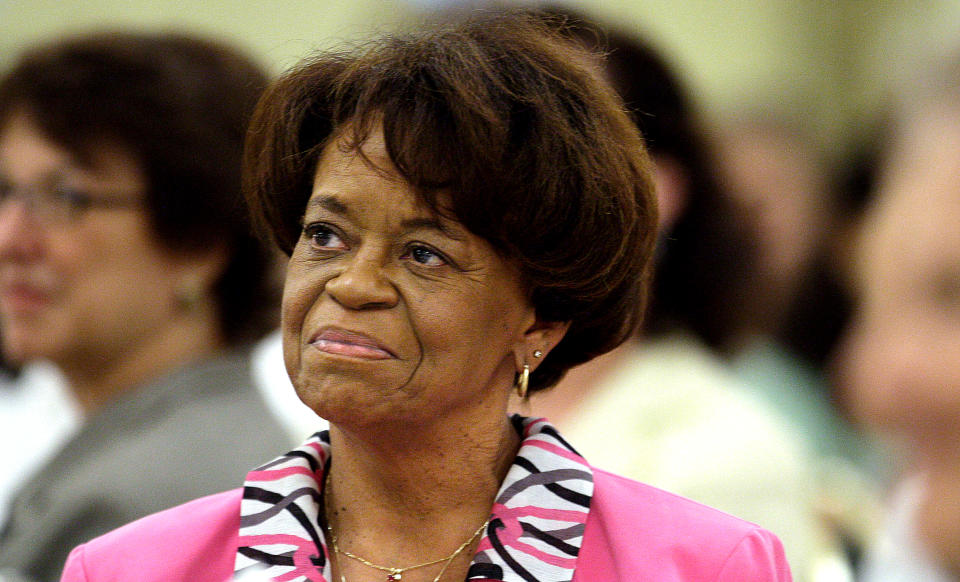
[
  {"x": 623, "y": 499},
  {"x": 641, "y": 532},
  {"x": 195, "y": 541}
]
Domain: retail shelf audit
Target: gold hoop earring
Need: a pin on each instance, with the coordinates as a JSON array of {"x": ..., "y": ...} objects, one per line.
[{"x": 523, "y": 382}]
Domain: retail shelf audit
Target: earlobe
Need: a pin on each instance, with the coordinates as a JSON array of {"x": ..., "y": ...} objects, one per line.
[
  {"x": 207, "y": 266},
  {"x": 190, "y": 292},
  {"x": 539, "y": 339},
  {"x": 197, "y": 275},
  {"x": 672, "y": 188}
]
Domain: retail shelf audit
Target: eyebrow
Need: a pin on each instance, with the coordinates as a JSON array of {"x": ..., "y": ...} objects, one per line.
[
  {"x": 328, "y": 203},
  {"x": 434, "y": 224},
  {"x": 334, "y": 205}
]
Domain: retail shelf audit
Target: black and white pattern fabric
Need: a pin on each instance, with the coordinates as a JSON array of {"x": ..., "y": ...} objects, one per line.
[{"x": 535, "y": 531}]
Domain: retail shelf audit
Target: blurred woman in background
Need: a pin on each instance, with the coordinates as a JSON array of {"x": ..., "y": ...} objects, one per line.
[{"x": 126, "y": 259}]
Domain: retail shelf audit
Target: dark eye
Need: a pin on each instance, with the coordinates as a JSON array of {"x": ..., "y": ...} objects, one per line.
[
  {"x": 323, "y": 236},
  {"x": 6, "y": 190},
  {"x": 70, "y": 199},
  {"x": 427, "y": 256}
]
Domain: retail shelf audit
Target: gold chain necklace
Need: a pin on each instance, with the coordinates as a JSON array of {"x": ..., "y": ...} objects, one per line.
[{"x": 393, "y": 574}]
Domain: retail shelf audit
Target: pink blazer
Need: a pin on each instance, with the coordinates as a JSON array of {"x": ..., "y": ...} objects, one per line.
[{"x": 634, "y": 533}]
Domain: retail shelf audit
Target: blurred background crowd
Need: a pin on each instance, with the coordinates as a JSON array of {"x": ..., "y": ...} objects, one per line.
[{"x": 800, "y": 366}]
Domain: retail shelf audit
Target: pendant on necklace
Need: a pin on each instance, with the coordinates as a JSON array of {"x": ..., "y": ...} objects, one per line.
[{"x": 393, "y": 577}]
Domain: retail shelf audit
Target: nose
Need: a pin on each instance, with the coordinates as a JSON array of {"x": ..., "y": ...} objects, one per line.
[
  {"x": 363, "y": 284},
  {"x": 21, "y": 237}
]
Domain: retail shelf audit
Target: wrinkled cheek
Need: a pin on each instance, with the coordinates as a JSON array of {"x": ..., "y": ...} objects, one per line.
[
  {"x": 291, "y": 356},
  {"x": 293, "y": 310}
]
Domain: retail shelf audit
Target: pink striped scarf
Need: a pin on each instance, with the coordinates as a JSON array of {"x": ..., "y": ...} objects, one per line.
[{"x": 536, "y": 524}]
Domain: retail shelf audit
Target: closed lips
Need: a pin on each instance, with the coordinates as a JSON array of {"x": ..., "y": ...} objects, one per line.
[
  {"x": 348, "y": 343},
  {"x": 20, "y": 294}
]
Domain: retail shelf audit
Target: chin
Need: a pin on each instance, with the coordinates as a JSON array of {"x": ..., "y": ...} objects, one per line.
[
  {"x": 312, "y": 400},
  {"x": 22, "y": 344},
  {"x": 331, "y": 399},
  {"x": 20, "y": 353},
  {"x": 349, "y": 403}
]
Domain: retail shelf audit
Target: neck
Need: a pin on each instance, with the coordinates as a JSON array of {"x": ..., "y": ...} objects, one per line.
[
  {"x": 400, "y": 499},
  {"x": 96, "y": 378}
]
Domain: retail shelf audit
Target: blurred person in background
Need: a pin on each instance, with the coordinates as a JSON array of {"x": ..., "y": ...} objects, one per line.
[
  {"x": 127, "y": 260},
  {"x": 665, "y": 408},
  {"x": 796, "y": 302},
  {"x": 783, "y": 189},
  {"x": 900, "y": 363},
  {"x": 780, "y": 184}
]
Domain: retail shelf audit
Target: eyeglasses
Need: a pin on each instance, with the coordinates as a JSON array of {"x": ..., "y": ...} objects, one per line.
[{"x": 60, "y": 202}]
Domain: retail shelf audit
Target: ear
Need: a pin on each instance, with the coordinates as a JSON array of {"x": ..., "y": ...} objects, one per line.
[
  {"x": 539, "y": 338},
  {"x": 672, "y": 187},
  {"x": 200, "y": 270}
]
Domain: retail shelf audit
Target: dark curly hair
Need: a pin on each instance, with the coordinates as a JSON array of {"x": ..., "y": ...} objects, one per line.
[{"x": 516, "y": 126}]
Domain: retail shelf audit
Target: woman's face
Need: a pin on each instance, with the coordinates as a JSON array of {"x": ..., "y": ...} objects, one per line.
[
  {"x": 903, "y": 352},
  {"x": 394, "y": 314},
  {"x": 82, "y": 287},
  {"x": 902, "y": 356}
]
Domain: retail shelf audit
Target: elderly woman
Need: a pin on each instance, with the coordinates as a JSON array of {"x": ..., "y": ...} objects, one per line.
[
  {"x": 126, "y": 259},
  {"x": 468, "y": 213}
]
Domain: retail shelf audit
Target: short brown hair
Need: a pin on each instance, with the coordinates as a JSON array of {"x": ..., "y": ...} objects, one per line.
[{"x": 515, "y": 125}]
